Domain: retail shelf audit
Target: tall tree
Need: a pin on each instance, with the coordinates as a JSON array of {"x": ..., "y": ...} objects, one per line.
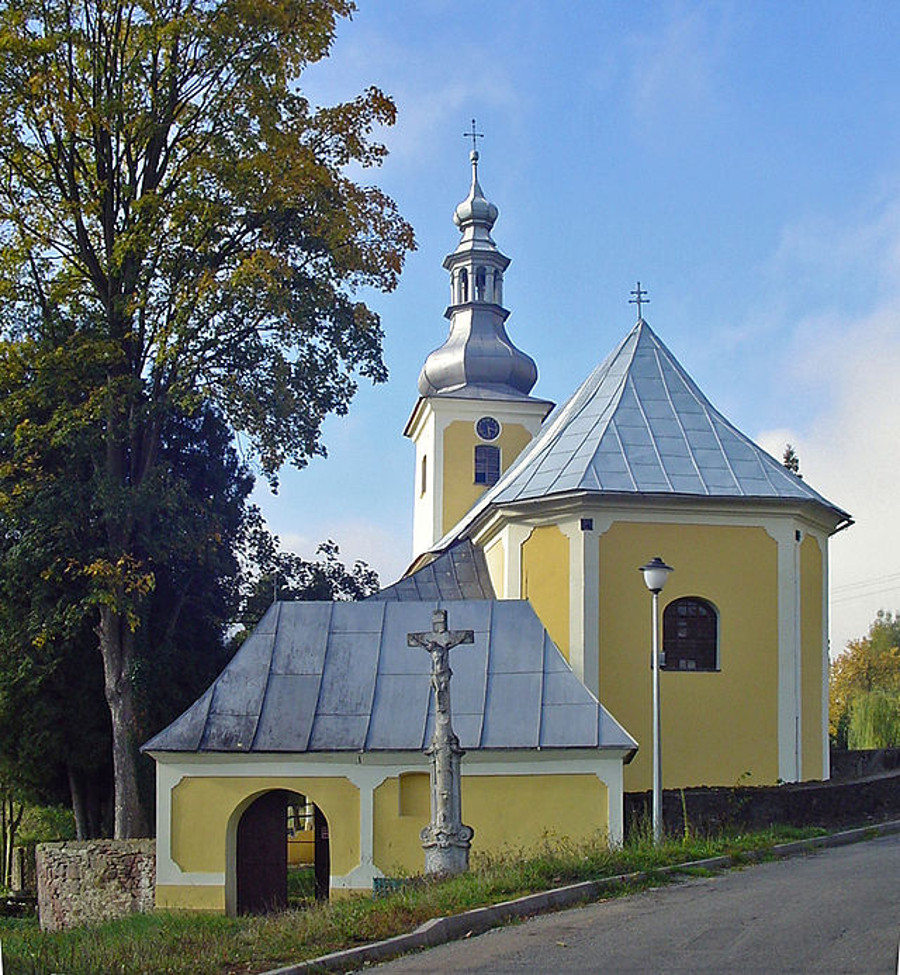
[
  {"x": 54, "y": 735},
  {"x": 864, "y": 685},
  {"x": 167, "y": 191}
]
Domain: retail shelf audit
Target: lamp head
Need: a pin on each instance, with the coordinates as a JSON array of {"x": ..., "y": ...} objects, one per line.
[{"x": 656, "y": 572}]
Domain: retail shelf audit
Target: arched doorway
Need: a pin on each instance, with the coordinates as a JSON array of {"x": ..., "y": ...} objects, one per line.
[{"x": 261, "y": 862}]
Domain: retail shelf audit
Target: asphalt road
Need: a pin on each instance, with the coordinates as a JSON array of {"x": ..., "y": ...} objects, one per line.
[{"x": 833, "y": 911}]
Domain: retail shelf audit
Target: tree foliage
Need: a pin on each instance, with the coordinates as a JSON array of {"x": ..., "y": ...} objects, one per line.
[
  {"x": 278, "y": 575},
  {"x": 864, "y": 688},
  {"x": 874, "y": 720},
  {"x": 55, "y": 732},
  {"x": 177, "y": 232}
]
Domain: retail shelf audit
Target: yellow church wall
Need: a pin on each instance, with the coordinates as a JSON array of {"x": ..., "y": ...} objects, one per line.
[
  {"x": 460, "y": 491},
  {"x": 203, "y": 806},
  {"x": 540, "y": 811},
  {"x": 718, "y": 727},
  {"x": 545, "y": 581},
  {"x": 812, "y": 658}
]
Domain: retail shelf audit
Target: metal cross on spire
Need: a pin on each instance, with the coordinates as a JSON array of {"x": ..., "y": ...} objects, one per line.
[
  {"x": 639, "y": 299},
  {"x": 473, "y": 135}
]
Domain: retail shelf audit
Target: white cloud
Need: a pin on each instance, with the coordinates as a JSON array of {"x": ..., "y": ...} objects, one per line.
[
  {"x": 429, "y": 83},
  {"x": 823, "y": 245},
  {"x": 675, "y": 70},
  {"x": 850, "y": 455}
]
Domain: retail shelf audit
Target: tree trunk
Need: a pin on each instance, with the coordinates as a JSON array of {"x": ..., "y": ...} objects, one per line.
[
  {"x": 117, "y": 650},
  {"x": 79, "y": 809},
  {"x": 13, "y": 822},
  {"x": 3, "y": 831}
]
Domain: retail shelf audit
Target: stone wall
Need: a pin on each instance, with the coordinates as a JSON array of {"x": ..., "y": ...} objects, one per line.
[
  {"x": 96, "y": 880},
  {"x": 827, "y": 804},
  {"x": 859, "y": 764}
]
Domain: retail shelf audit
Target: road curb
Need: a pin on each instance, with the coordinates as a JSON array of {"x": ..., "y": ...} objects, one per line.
[{"x": 440, "y": 930}]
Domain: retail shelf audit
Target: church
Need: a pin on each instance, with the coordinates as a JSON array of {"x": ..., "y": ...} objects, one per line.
[{"x": 530, "y": 525}]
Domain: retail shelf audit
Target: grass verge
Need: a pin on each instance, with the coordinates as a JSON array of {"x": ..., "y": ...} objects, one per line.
[{"x": 170, "y": 943}]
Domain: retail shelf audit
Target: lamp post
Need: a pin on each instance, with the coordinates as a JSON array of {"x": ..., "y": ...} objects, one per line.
[{"x": 656, "y": 572}]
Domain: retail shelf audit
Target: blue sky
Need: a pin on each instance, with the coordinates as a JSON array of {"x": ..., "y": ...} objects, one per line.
[{"x": 742, "y": 160}]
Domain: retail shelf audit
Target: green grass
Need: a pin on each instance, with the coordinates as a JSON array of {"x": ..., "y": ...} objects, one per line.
[
  {"x": 171, "y": 943},
  {"x": 301, "y": 887}
]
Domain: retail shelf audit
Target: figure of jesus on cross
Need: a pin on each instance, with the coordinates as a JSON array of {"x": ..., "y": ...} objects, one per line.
[{"x": 445, "y": 839}]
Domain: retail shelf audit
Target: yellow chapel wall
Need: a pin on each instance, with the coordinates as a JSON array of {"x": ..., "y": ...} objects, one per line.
[
  {"x": 460, "y": 491},
  {"x": 546, "y": 806},
  {"x": 812, "y": 661},
  {"x": 545, "y": 581},
  {"x": 718, "y": 728},
  {"x": 203, "y": 806}
]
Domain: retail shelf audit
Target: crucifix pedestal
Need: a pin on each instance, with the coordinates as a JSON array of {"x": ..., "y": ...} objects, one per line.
[{"x": 446, "y": 840}]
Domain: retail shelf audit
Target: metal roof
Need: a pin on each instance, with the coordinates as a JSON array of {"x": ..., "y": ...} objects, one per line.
[
  {"x": 640, "y": 425},
  {"x": 459, "y": 573},
  {"x": 332, "y": 677}
]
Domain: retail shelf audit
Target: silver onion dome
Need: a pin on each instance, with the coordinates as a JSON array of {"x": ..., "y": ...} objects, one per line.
[{"x": 478, "y": 358}]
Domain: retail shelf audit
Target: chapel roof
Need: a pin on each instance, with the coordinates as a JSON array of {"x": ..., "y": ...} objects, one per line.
[
  {"x": 339, "y": 677},
  {"x": 640, "y": 426}
]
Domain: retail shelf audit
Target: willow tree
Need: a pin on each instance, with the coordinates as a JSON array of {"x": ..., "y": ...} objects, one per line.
[
  {"x": 170, "y": 198},
  {"x": 864, "y": 687}
]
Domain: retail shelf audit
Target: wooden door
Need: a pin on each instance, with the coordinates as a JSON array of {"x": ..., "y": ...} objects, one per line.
[
  {"x": 323, "y": 856},
  {"x": 262, "y": 855}
]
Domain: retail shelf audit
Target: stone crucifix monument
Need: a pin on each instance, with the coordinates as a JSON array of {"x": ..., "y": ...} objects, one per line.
[{"x": 445, "y": 839}]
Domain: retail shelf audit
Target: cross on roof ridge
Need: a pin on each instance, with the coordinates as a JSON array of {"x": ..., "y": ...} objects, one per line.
[{"x": 639, "y": 299}]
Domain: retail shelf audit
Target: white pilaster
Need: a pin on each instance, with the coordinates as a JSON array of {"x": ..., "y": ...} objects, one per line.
[
  {"x": 613, "y": 776},
  {"x": 514, "y": 537},
  {"x": 789, "y": 765},
  {"x": 367, "y": 780},
  {"x": 584, "y": 603},
  {"x": 822, "y": 542}
]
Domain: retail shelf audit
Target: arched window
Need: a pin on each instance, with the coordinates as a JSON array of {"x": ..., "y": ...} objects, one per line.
[
  {"x": 498, "y": 288},
  {"x": 690, "y": 635},
  {"x": 463, "y": 286},
  {"x": 480, "y": 283},
  {"x": 424, "y": 483},
  {"x": 487, "y": 464}
]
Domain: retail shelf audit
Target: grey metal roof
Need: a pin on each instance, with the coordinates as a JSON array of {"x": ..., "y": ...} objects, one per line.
[
  {"x": 640, "y": 425},
  {"x": 459, "y": 573},
  {"x": 332, "y": 677}
]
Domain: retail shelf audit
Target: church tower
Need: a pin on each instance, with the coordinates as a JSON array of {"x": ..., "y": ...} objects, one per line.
[{"x": 474, "y": 414}]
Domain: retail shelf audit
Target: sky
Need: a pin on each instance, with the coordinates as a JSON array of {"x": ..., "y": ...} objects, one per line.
[{"x": 740, "y": 160}]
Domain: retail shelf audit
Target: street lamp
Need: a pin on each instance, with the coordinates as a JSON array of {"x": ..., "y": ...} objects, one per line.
[{"x": 656, "y": 572}]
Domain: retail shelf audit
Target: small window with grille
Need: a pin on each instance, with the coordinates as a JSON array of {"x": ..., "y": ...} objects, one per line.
[
  {"x": 690, "y": 635},
  {"x": 487, "y": 464}
]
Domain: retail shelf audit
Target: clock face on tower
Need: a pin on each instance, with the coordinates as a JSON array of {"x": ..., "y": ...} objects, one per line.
[{"x": 487, "y": 428}]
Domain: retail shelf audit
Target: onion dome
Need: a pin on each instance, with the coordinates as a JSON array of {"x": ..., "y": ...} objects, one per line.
[{"x": 478, "y": 359}]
